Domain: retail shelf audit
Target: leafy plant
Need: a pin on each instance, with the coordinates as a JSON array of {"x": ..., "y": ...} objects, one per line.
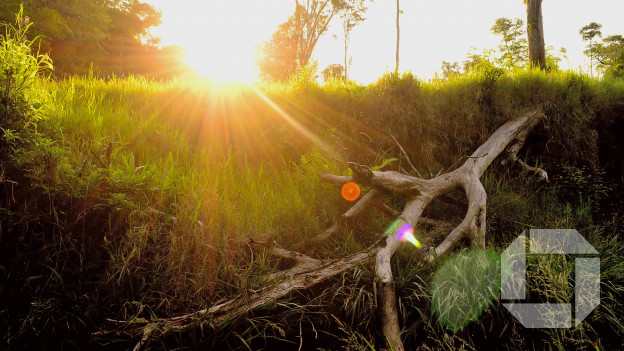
[
  {"x": 579, "y": 184},
  {"x": 20, "y": 100}
]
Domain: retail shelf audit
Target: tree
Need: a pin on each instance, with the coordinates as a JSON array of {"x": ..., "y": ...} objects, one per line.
[
  {"x": 450, "y": 70},
  {"x": 514, "y": 44},
  {"x": 472, "y": 61},
  {"x": 311, "y": 21},
  {"x": 610, "y": 55},
  {"x": 333, "y": 71},
  {"x": 398, "y": 13},
  {"x": 291, "y": 46},
  {"x": 72, "y": 31},
  {"x": 535, "y": 31},
  {"x": 553, "y": 57},
  {"x": 351, "y": 16},
  {"x": 589, "y": 32},
  {"x": 277, "y": 58},
  {"x": 113, "y": 35},
  {"x": 130, "y": 21}
]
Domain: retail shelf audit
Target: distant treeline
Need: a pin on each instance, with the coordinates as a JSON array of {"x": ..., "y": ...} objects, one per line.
[{"x": 105, "y": 36}]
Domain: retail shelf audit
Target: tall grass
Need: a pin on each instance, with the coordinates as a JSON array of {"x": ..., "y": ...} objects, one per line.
[{"x": 144, "y": 192}]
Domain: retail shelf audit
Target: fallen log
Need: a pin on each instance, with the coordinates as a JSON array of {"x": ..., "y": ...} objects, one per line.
[{"x": 309, "y": 271}]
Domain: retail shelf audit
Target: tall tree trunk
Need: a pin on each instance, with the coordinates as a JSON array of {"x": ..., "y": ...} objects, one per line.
[
  {"x": 398, "y": 12},
  {"x": 535, "y": 31},
  {"x": 591, "y": 57},
  {"x": 308, "y": 31},
  {"x": 346, "y": 48}
]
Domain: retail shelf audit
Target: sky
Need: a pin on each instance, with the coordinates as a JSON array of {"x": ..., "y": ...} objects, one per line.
[{"x": 221, "y": 36}]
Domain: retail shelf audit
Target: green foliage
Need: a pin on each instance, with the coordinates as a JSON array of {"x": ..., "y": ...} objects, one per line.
[
  {"x": 333, "y": 72},
  {"x": 277, "y": 58},
  {"x": 609, "y": 53},
  {"x": 353, "y": 340},
  {"x": 514, "y": 47},
  {"x": 20, "y": 95},
  {"x": 554, "y": 57},
  {"x": 610, "y": 56},
  {"x": 290, "y": 47},
  {"x": 580, "y": 184},
  {"x": 486, "y": 73},
  {"x": 402, "y": 87},
  {"x": 110, "y": 35},
  {"x": 590, "y": 31},
  {"x": 449, "y": 70},
  {"x": 305, "y": 77}
]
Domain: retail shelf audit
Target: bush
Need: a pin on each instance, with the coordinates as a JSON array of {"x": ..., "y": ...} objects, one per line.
[
  {"x": 403, "y": 87},
  {"x": 20, "y": 100}
]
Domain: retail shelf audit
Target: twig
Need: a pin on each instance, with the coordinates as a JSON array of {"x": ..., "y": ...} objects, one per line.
[
  {"x": 303, "y": 263},
  {"x": 405, "y": 154},
  {"x": 331, "y": 158},
  {"x": 543, "y": 175},
  {"x": 355, "y": 210},
  {"x": 300, "y": 333},
  {"x": 370, "y": 140},
  {"x": 330, "y": 178}
]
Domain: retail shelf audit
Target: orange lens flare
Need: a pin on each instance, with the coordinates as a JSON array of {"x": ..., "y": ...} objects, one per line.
[{"x": 350, "y": 191}]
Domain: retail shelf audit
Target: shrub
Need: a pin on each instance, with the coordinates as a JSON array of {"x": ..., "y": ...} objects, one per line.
[{"x": 19, "y": 97}]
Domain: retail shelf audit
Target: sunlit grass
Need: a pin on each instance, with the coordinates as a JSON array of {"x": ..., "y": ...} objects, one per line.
[
  {"x": 169, "y": 178},
  {"x": 196, "y": 168}
]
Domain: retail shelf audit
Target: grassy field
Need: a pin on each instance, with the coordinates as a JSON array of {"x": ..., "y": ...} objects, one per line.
[{"x": 129, "y": 198}]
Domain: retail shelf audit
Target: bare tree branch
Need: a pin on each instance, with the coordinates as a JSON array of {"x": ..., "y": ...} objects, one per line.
[
  {"x": 354, "y": 211},
  {"x": 405, "y": 155},
  {"x": 236, "y": 307},
  {"x": 512, "y": 153}
]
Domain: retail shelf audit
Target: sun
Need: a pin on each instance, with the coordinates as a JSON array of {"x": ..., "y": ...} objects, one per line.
[
  {"x": 222, "y": 64},
  {"x": 221, "y": 37}
]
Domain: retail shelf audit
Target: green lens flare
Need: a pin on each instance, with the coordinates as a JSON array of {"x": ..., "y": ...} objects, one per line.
[
  {"x": 392, "y": 227},
  {"x": 465, "y": 286}
]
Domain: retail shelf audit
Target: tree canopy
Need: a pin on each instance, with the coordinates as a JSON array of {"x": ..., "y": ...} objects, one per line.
[
  {"x": 514, "y": 43},
  {"x": 291, "y": 46},
  {"x": 277, "y": 58},
  {"x": 110, "y": 36},
  {"x": 609, "y": 53}
]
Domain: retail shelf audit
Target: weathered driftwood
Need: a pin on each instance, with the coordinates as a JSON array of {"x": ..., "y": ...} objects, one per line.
[{"x": 308, "y": 271}]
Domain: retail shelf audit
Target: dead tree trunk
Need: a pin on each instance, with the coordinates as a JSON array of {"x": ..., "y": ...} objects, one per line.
[{"x": 308, "y": 271}]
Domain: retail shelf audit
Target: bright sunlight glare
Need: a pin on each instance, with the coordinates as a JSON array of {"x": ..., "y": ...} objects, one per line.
[{"x": 220, "y": 37}]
